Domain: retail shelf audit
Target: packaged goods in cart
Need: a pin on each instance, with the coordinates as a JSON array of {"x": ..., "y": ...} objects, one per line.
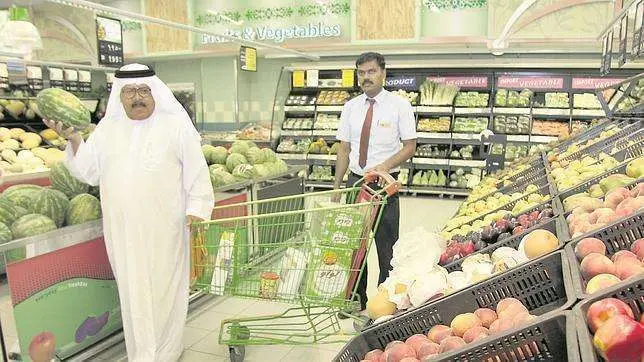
[
  {"x": 268, "y": 285},
  {"x": 221, "y": 275},
  {"x": 341, "y": 227},
  {"x": 292, "y": 270},
  {"x": 328, "y": 273}
]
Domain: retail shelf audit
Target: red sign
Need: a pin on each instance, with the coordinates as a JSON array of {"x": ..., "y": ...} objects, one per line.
[
  {"x": 532, "y": 82},
  {"x": 463, "y": 82},
  {"x": 594, "y": 83}
]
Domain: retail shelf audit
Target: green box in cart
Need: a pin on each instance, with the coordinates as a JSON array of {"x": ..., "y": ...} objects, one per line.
[
  {"x": 328, "y": 273},
  {"x": 340, "y": 227}
]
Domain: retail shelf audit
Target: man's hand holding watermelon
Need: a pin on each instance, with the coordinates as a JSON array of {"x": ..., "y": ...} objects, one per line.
[{"x": 69, "y": 133}]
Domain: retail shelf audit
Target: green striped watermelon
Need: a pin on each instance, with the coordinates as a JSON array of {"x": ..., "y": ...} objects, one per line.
[
  {"x": 7, "y": 211},
  {"x": 83, "y": 208},
  {"x": 21, "y": 211},
  {"x": 5, "y": 234},
  {"x": 31, "y": 225},
  {"x": 53, "y": 204},
  {"x": 62, "y": 180},
  {"x": 11, "y": 255},
  {"x": 59, "y": 105},
  {"x": 21, "y": 195}
]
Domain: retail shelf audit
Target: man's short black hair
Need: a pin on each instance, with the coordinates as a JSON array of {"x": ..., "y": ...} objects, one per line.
[{"x": 369, "y": 56}]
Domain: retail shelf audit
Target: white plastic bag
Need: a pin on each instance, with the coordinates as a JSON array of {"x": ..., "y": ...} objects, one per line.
[
  {"x": 418, "y": 250},
  {"x": 427, "y": 286}
]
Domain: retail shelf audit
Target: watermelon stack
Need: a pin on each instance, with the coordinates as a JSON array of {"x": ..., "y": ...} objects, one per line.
[
  {"x": 32, "y": 225},
  {"x": 83, "y": 208},
  {"x": 62, "y": 180},
  {"x": 53, "y": 204},
  {"x": 21, "y": 195}
]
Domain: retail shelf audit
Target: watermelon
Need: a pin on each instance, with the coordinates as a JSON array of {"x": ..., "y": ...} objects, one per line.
[
  {"x": 7, "y": 212},
  {"x": 59, "y": 105},
  {"x": 5, "y": 234},
  {"x": 234, "y": 160},
  {"x": 21, "y": 195},
  {"x": 21, "y": 211},
  {"x": 14, "y": 254},
  {"x": 62, "y": 180},
  {"x": 31, "y": 225},
  {"x": 83, "y": 208},
  {"x": 53, "y": 204}
]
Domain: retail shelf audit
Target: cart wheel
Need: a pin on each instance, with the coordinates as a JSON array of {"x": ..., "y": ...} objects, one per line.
[{"x": 237, "y": 353}]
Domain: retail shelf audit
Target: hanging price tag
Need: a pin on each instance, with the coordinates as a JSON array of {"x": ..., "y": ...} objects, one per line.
[
  {"x": 56, "y": 79},
  {"x": 84, "y": 81},
  {"x": 312, "y": 76},
  {"x": 71, "y": 80},
  {"x": 298, "y": 79},
  {"x": 34, "y": 78},
  {"x": 4, "y": 76},
  {"x": 348, "y": 77}
]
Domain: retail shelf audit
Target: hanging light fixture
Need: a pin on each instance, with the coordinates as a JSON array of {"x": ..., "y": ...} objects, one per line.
[{"x": 19, "y": 34}]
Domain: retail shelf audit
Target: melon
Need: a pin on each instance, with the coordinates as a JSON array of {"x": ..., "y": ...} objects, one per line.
[
  {"x": 32, "y": 225},
  {"x": 83, "y": 208},
  {"x": 21, "y": 195},
  {"x": 13, "y": 254},
  {"x": 59, "y": 105},
  {"x": 5, "y": 234},
  {"x": 53, "y": 204},
  {"x": 62, "y": 180},
  {"x": 21, "y": 211},
  {"x": 7, "y": 212}
]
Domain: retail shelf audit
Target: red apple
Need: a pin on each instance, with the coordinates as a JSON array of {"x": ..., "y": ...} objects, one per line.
[
  {"x": 602, "y": 310},
  {"x": 620, "y": 339},
  {"x": 42, "y": 347}
]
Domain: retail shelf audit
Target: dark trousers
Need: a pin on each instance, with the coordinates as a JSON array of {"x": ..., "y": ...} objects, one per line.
[{"x": 385, "y": 238}]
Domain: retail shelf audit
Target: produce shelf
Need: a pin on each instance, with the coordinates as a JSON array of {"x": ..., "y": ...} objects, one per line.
[
  {"x": 437, "y": 190},
  {"x": 632, "y": 293},
  {"x": 467, "y": 163},
  {"x": 617, "y": 236},
  {"x": 296, "y": 133},
  {"x": 324, "y": 133},
  {"x": 430, "y": 161},
  {"x": 543, "y": 139},
  {"x": 329, "y": 108},
  {"x": 512, "y": 111},
  {"x": 302, "y": 109},
  {"x": 292, "y": 156},
  {"x": 551, "y": 112},
  {"x": 542, "y": 285},
  {"x": 312, "y": 156},
  {"x": 518, "y": 138},
  {"x": 319, "y": 184},
  {"x": 464, "y": 111},
  {"x": 588, "y": 113}
]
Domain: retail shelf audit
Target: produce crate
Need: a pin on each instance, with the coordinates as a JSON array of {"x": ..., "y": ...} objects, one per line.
[
  {"x": 542, "y": 285},
  {"x": 556, "y": 225},
  {"x": 593, "y": 132},
  {"x": 631, "y": 293},
  {"x": 537, "y": 168},
  {"x": 607, "y": 143},
  {"x": 538, "y": 179},
  {"x": 550, "y": 337},
  {"x": 617, "y": 236}
]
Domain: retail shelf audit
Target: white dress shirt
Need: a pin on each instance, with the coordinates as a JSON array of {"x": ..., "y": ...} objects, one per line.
[{"x": 393, "y": 120}]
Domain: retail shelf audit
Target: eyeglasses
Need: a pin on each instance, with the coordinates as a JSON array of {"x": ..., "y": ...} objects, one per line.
[{"x": 131, "y": 92}]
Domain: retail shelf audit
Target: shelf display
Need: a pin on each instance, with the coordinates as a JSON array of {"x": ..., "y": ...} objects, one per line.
[
  {"x": 321, "y": 173},
  {"x": 513, "y": 151},
  {"x": 290, "y": 145},
  {"x": 586, "y": 101},
  {"x": 300, "y": 100},
  {"x": 412, "y": 97},
  {"x": 550, "y": 128},
  {"x": 470, "y": 124},
  {"x": 430, "y": 151},
  {"x": 511, "y": 124},
  {"x": 557, "y": 100},
  {"x": 512, "y": 98},
  {"x": 437, "y": 94},
  {"x": 333, "y": 97},
  {"x": 327, "y": 121},
  {"x": 472, "y": 99},
  {"x": 440, "y": 124},
  {"x": 298, "y": 123}
]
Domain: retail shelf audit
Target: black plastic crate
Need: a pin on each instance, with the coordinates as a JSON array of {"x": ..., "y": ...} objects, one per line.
[
  {"x": 595, "y": 148},
  {"x": 631, "y": 293},
  {"x": 592, "y": 132},
  {"x": 539, "y": 180},
  {"x": 620, "y": 235},
  {"x": 533, "y": 171},
  {"x": 551, "y": 337},
  {"x": 543, "y": 285},
  {"x": 556, "y": 225},
  {"x": 564, "y": 194}
]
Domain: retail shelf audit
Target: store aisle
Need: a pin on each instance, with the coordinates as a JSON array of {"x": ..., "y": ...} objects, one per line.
[{"x": 202, "y": 330}]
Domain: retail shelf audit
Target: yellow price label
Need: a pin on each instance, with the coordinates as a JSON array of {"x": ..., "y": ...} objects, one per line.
[
  {"x": 348, "y": 76},
  {"x": 298, "y": 79}
]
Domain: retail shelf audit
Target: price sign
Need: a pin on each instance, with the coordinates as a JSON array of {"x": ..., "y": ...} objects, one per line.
[
  {"x": 34, "y": 78},
  {"x": 4, "y": 76},
  {"x": 84, "y": 81},
  {"x": 109, "y": 38},
  {"x": 71, "y": 80},
  {"x": 17, "y": 70},
  {"x": 298, "y": 79},
  {"x": 248, "y": 58},
  {"x": 312, "y": 77},
  {"x": 348, "y": 77},
  {"x": 56, "y": 79},
  {"x": 623, "y": 36}
]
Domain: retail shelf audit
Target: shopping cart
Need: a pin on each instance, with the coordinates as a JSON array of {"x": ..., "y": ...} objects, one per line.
[{"x": 306, "y": 250}]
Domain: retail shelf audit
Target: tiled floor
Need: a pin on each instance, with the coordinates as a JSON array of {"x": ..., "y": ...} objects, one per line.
[{"x": 201, "y": 333}]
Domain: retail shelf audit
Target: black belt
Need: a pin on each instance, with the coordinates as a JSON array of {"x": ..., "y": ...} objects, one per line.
[{"x": 393, "y": 174}]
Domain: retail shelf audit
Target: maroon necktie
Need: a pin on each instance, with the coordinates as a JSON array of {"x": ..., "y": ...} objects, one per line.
[{"x": 366, "y": 132}]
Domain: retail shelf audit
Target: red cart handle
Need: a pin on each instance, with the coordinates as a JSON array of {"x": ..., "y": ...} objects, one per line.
[{"x": 390, "y": 185}]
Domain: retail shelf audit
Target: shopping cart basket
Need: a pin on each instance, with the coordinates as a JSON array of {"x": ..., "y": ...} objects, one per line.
[{"x": 307, "y": 250}]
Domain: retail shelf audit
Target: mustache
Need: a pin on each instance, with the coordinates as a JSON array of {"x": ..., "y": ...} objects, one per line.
[
  {"x": 366, "y": 82},
  {"x": 138, "y": 104}
]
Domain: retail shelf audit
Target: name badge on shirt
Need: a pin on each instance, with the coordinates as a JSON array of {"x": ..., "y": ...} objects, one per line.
[{"x": 384, "y": 123}]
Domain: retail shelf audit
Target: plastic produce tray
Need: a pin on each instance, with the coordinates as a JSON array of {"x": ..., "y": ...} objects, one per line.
[
  {"x": 591, "y": 132},
  {"x": 556, "y": 225},
  {"x": 537, "y": 179},
  {"x": 538, "y": 169},
  {"x": 543, "y": 285},
  {"x": 617, "y": 236},
  {"x": 627, "y": 131},
  {"x": 631, "y": 293}
]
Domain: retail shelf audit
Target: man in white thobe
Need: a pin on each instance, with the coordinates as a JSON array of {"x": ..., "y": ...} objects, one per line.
[{"x": 146, "y": 156}]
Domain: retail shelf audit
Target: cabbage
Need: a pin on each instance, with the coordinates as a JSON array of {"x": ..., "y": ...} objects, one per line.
[
  {"x": 268, "y": 155},
  {"x": 207, "y": 152},
  {"x": 234, "y": 160},
  {"x": 239, "y": 147},
  {"x": 217, "y": 167},
  {"x": 280, "y": 166},
  {"x": 254, "y": 156},
  {"x": 261, "y": 171},
  {"x": 243, "y": 171},
  {"x": 221, "y": 178},
  {"x": 218, "y": 155}
]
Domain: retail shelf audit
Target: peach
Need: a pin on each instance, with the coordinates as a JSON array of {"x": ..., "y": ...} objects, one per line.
[
  {"x": 638, "y": 247},
  {"x": 505, "y": 303},
  {"x": 589, "y": 245},
  {"x": 416, "y": 341},
  {"x": 601, "y": 281},
  {"x": 429, "y": 358},
  {"x": 594, "y": 264},
  {"x": 615, "y": 197},
  {"x": 622, "y": 254},
  {"x": 602, "y": 310},
  {"x": 392, "y": 344},
  {"x": 42, "y": 347},
  {"x": 638, "y": 190},
  {"x": 475, "y": 333},
  {"x": 521, "y": 319},
  {"x": 398, "y": 352},
  {"x": 486, "y": 315},
  {"x": 439, "y": 332},
  {"x": 629, "y": 206},
  {"x": 620, "y": 339},
  {"x": 602, "y": 215},
  {"x": 501, "y": 325},
  {"x": 409, "y": 359},
  {"x": 451, "y": 343},
  {"x": 374, "y": 355},
  {"x": 628, "y": 267},
  {"x": 430, "y": 349},
  {"x": 462, "y": 322},
  {"x": 539, "y": 242},
  {"x": 512, "y": 311}
]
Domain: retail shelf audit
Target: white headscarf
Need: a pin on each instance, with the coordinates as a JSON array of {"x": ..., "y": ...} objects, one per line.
[{"x": 166, "y": 105}]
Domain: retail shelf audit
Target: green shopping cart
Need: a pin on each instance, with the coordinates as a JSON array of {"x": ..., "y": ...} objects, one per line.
[{"x": 307, "y": 250}]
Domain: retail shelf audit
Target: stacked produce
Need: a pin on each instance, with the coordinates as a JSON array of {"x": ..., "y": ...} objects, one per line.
[
  {"x": 255, "y": 132},
  {"x": 464, "y": 153},
  {"x": 298, "y": 123},
  {"x": 301, "y": 100},
  {"x": 403, "y": 176},
  {"x": 557, "y": 154},
  {"x": 321, "y": 173},
  {"x": 327, "y": 121},
  {"x": 568, "y": 174},
  {"x": 550, "y": 128},
  {"x": 243, "y": 161},
  {"x": 18, "y": 109},
  {"x": 557, "y": 100},
  {"x": 430, "y": 151},
  {"x": 586, "y": 101},
  {"x": 470, "y": 125},
  {"x": 579, "y": 126},
  {"x": 412, "y": 97},
  {"x": 333, "y": 97},
  {"x": 441, "y": 124},
  {"x": 472, "y": 99},
  {"x": 437, "y": 94},
  {"x": 289, "y": 145},
  {"x": 457, "y": 179},
  {"x": 512, "y": 124},
  {"x": 429, "y": 178},
  {"x": 618, "y": 332},
  {"x": 319, "y": 147},
  {"x": 633, "y": 99},
  {"x": 511, "y": 98},
  {"x": 513, "y": 151}
]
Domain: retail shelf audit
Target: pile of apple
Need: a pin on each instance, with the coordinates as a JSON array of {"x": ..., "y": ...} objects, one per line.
[
  {"x": 600, "y": 271},
  {"x": 593, "y": 213},
  {"x": 464, "y": 329},
  {"x": 499, "y": 230},
  {"x": 618, "y": 334}
]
